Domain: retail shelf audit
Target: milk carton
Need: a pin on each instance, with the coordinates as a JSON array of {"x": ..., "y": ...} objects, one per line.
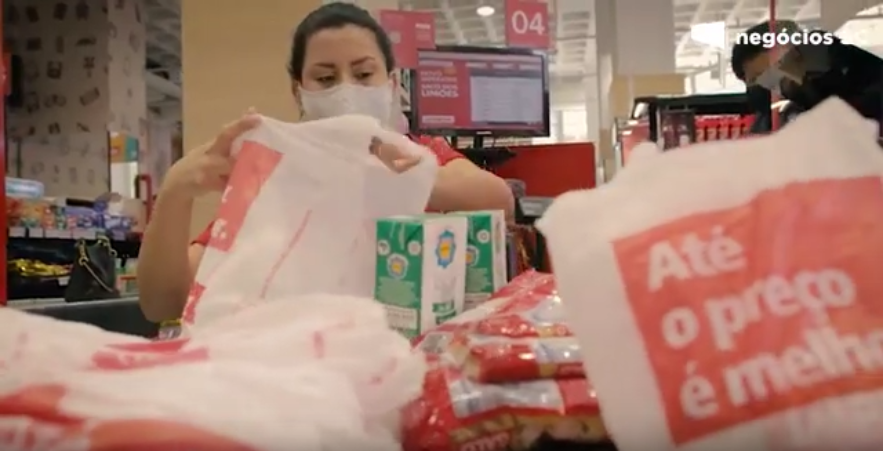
[
  {"x": 485, "y": 255},
  {"x": 421, "y": 268}
]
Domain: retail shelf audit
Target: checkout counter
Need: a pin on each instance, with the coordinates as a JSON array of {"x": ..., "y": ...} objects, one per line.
[{"x": 116, "y": 315}]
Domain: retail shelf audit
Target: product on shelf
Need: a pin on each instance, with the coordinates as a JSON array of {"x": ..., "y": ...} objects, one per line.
[
  {"x": 117, "y": 227},
  {"x": 35, "y": 268},
  {"x": 82, "y": 218},
  {"x": 127, "y": 276},
  {"x": 30, "y": 213},
  {"x": 678, "y": 129},
  {"x": 722, "y": 128},
  {"x": 24, "y": 189},
  {"x": 54, "y": 218},
  {"x": 31, "y": 278}
]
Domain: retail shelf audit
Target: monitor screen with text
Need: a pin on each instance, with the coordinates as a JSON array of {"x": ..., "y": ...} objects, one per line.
[{"x": 488, "y": 92}]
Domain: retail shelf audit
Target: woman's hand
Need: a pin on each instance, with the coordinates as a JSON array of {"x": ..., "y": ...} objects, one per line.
[
  {"x": 394, "y": 158},
  {"x": 207, "y": 167}
]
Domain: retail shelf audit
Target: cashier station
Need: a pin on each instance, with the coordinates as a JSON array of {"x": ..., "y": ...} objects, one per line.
[
  {"x": 116, "y": 315},
  {"x": 124, "y": 315}
]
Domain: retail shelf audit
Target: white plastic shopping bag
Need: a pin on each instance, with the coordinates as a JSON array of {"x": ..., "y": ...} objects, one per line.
[
  {"x": 728, "y": 295},
  {"x": 319, "y": 372},
  {"x": 297, "y": 215}
]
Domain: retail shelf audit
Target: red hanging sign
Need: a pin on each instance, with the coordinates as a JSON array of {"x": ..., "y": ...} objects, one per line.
[
  {"x": 527, "y": 24},
  {"x": 409, "y": 32}
]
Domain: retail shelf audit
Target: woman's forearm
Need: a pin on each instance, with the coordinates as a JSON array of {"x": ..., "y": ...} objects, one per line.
[
  {"x": 164, "y": 273},
  {"x": 462, "y": 186}
]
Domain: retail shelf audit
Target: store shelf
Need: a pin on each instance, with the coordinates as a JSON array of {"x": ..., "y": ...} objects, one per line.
[
  {"x": 36, "y": 305},
  {"x": 49, "y": 238},
  {"x": 651, "y": 108},
  {"x": 704, "y": 104},
  {"x": 41, "y": 233}
]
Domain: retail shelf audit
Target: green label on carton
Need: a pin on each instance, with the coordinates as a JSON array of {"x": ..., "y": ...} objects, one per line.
[
  {"x": 420, "y": 270},
  {"x": 485, "y": 255}
]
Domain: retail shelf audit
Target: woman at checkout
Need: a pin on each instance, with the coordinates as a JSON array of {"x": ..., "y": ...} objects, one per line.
[{"x": 341, "y": 63}]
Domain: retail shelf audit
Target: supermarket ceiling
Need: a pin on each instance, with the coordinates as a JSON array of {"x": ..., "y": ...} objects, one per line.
[{"x": 571, "y": 25}]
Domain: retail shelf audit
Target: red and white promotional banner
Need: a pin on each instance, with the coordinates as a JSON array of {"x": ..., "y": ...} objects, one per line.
[
  {"x": 527, "y": 24},
  {"x": 409, "y": 32}
]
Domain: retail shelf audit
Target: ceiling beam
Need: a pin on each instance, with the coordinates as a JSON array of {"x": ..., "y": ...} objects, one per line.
[
  {"x": 491, "y": 30},
  {"x": 590, "y": 53},
  {"x": 685, "y": 38},
  {"x": 805, "y": 10},
  {"x": 172, "y": 7},
  {"x": 809, "y": 21},
  {"x": 451, "y": 19},
  {"x": 160, "y": 43},
  {"x": 559, "y": 25},
  {"x": 734, "y": 15}
]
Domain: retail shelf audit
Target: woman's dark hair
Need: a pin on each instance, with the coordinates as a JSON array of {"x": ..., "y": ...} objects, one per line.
[
  {"x": 752, "y": 46},
  {"x": 335, "y": 15}
]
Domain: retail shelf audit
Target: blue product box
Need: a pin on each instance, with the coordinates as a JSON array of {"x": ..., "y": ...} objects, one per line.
[
  {"x": 117, "y": 227},
  {"x": 24, "y": 189}
]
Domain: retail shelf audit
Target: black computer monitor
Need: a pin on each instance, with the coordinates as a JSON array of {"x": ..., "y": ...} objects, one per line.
[{"x": 476, "y": 91}]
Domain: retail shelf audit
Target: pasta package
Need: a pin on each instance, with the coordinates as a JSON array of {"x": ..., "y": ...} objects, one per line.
[
  {"x": 496, "y": 360},
  {"x": 456, "y": 413}
]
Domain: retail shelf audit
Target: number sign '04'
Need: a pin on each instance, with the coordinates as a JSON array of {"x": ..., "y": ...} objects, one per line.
[{"x": 527, "y": 24}]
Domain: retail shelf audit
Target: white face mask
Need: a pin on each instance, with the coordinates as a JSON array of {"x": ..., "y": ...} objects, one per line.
[{"x": 378, "y": 102}]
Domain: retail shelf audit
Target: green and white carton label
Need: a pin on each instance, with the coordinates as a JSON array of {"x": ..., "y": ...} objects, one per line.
[
  {"x": 421, "y": 266},
  {"x": 485, "y": 255}
]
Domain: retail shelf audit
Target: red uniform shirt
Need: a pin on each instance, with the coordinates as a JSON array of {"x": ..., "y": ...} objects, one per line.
[{"x": 442, "y": 150}]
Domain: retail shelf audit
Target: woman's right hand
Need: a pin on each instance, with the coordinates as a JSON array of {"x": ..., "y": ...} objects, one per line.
[{"x": 207, "y": 167}]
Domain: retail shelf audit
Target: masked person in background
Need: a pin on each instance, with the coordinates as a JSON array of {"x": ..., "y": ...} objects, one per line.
[
  {"x": 762, "y": 107},
  {"x": 341, "y": 63},
  {"x": 807, "y": 72}
]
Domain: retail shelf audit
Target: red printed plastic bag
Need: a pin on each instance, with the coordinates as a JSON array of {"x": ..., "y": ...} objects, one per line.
[
  {"x": 320, "y": 371},
  {"x": 298, "y": 213},
  {"x": 455, "y": 413},
  {"x": 739, "y": 286}
]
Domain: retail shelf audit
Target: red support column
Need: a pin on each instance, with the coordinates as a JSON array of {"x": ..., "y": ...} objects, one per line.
[{"x": 4, "y": 230}]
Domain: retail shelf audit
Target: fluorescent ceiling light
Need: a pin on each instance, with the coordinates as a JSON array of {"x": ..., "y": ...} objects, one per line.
[
  {"x": 712, "y": 34},
  {"x": 485, "y": 11}
]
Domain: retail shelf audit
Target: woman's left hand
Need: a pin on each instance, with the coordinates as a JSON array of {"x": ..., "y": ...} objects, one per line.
[{"x": 394, "y": 158}]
